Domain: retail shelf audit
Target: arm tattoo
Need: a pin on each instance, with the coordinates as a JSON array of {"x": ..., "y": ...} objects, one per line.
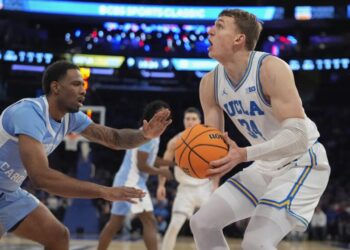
[{"x": 115, "y": 138}]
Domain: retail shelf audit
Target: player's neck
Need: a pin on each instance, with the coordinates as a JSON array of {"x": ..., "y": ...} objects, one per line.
[
  {"x": 236, "y": 66},
  {"x": 54, "y": 111}
]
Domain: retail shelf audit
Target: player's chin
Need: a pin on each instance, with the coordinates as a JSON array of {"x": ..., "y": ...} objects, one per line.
[
  {"x": 73, "y": 108},
  {"x": 212, "y": 55}
]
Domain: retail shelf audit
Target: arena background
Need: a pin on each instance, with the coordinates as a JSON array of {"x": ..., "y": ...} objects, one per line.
[{"x": 132, "y": 55}]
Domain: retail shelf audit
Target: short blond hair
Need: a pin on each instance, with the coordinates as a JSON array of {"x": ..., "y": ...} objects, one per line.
[{"x": 247, "y": 23}]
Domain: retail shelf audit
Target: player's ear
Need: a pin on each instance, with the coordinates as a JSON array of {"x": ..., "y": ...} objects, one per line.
[
  {"x": 55, "y": 87},
  {"x": 240, "y": 38}
]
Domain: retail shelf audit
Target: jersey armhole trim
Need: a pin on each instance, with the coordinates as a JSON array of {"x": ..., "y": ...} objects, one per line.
[
  {"x": 216, "y": 85},
  {"x": 258, "y": 82}
]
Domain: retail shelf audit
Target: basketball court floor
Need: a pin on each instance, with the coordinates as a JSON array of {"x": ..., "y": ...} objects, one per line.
[{"x": 11, "y": 242}]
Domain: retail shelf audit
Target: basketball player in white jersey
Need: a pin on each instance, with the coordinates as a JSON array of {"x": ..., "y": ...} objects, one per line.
[
  {"x": 281, "y": 188},
  {"x": 191, "y": 192},
  {"x": 30, "y": 130},
  {"x": 137, "y": 165}
]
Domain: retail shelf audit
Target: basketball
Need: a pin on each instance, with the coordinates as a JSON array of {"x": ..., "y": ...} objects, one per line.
[{"x": 197, "y": 147}]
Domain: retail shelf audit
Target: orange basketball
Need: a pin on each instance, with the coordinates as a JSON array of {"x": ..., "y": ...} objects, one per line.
[{"x": 197, "y": 147}]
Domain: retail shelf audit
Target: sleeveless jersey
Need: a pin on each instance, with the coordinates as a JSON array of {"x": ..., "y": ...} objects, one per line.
[
  {"x": 31, "y": 117},
  {"x": 250, "y": 111},
  {"x": 129, "y": 174}
]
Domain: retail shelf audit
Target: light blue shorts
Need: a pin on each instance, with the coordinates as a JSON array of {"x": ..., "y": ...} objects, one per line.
[{"x": 15, "y": 206}]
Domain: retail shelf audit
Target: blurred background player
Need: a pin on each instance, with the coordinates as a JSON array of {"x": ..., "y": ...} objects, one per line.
[
  {"x": 282, "y": 187},
  {"x": 30, "y": 130},
  {"x": 191, "y": 192},
  {"x": 137, "y": 165}
]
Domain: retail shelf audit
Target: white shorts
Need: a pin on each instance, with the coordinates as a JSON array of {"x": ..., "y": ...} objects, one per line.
[
  {"x": 297, "y": 187},
  {"x": 124, "y": 208},
  {"x": 188, "y": 198}
]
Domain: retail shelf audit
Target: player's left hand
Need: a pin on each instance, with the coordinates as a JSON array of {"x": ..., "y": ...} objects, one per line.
[
  {"x": 122, "y": 194},
  {"x": 156, "y": 126},
  {"x": 234, "y": 156}
]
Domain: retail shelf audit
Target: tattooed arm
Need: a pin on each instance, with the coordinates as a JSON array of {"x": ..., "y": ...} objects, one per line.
[
  {"x": 114, "y": 138},
  {"x": 128, "y": 138}
]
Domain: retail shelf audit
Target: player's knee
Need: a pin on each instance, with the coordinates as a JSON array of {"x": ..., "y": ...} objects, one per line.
[
  {"x": 197, "y": 223},
  {"x": 148, "y": 220},
  {"x": 58, "y": 238},
  {"x": 251, "y": 243},
  {"x": 65, "y": 234},
  {"x": 62, "y": 237}
]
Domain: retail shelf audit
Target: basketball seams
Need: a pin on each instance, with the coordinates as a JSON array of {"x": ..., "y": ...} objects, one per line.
[
  {"x": 196, "y": 164},
  {"x": 206, "y": 131},
  {"x": 188, "y": 144},
  {"x": 196, "y": 153},
  {"x": 211, "y": 145},
  {"x": 189, "y": 161},
  {"x": 189, "y": 132},
  {"x": 192, "y": 150}
]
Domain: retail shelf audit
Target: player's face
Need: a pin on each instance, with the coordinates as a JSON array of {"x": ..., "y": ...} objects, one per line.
[
  {"x": 72, "y": 93},
  {"x": 224, "y": 38},
  {"x": 191, "y": 119}
]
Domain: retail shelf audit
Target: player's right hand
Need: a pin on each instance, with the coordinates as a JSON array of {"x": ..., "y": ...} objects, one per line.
[
  {"x": 122, "y": 194},
  {"x": 224, "y": 165},
  {"x": 161, "y": 193}
]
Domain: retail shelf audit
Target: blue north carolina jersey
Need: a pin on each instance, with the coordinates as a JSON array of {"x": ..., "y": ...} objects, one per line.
[
  {"x": 247, "y": 107},
  {"x": 31, "y": 117},
  {"x": 129, "y": 174}
]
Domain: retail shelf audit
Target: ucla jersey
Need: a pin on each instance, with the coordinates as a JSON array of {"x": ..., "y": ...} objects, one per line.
[
  {"x": 31, "y": 117},
  {"x": 248, "y": 108},
  {"x": 129, "y": 174}
]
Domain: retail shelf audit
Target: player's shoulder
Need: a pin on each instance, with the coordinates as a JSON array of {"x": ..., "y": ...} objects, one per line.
[
  {"x": 272, "y": 66},
  {"x": 273, "y": 62},
  {"x": 28, "y": 107},
  {"x": 172, "y": 142},
  {"x": 209, "y": 75},
  {"x": 207, "y": 80}
]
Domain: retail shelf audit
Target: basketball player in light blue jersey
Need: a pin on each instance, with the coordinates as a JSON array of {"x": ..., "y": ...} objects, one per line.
[
  {"x": 137, "y": 165},
  {"x": 30, "y": 130},
  {"x": 281, "y": 188}
]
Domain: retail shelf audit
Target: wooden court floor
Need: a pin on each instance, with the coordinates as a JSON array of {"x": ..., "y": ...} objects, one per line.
[{"x": 11, "y": 242}]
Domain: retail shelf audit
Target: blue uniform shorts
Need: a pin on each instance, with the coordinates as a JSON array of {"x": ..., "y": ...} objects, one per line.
[{"x": 14, "y": 207}]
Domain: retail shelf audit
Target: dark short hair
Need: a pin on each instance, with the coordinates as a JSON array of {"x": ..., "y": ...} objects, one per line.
[
  {"x": 152, "y": 108},
  {"x": 55, "y": 72},
  {"x": 193, "y": 110},
  {"x": 247, "y": 23}
]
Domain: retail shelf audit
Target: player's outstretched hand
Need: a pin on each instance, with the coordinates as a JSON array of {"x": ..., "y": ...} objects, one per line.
[
  {"x": 156, "y": 126},
  {"x": 122, "y": 194},
  {"x": 234, "y": 156}
]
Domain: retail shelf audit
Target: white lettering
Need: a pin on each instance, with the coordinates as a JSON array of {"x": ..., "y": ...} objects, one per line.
[
  {"x": 12, "y": 174},
  {"x": 152, "y": 12},
  {"x": 4, "y": 166},
  {"x": 9, "y": 172},
  {"x": 15, "y": 176}
]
